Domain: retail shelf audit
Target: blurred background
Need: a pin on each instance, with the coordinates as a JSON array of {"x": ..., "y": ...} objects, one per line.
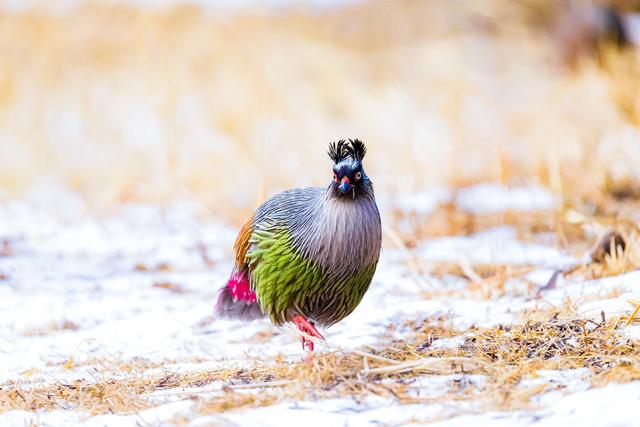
[{"x": 226, "y": 102}]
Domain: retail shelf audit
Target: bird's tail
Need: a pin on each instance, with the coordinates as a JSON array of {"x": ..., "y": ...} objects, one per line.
[{"x": 236, "y": 300}]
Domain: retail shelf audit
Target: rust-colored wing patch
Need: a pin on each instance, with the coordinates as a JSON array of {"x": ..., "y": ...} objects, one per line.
[{"x": 241, "y": 246}]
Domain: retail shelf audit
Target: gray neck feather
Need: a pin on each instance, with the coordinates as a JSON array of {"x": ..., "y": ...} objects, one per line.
[{"x": 341, "y": 234}]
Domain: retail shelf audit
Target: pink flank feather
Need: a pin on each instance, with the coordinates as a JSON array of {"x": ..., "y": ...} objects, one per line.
[{"x": 240, "y": 288}]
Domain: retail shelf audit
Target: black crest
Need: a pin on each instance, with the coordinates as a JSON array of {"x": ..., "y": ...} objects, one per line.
[
  {"x": 338, "y": 151},
  {"x": 357, "y": 149}
]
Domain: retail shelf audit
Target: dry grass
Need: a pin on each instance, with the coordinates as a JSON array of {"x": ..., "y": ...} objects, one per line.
[
  {"x": 125, "y": 104},
  {"x": 505, "y": 355}
]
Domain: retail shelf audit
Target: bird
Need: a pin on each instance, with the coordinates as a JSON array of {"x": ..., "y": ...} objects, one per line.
[{"x": 307, "y": 256}]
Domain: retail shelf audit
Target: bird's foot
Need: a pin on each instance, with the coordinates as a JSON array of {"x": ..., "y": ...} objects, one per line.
[
  {"x": 307, "y": 344},
  {"x": 307, "y": 327}
]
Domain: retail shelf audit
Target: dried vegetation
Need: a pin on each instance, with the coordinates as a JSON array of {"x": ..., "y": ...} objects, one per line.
[{"x": 506, "y": 356}]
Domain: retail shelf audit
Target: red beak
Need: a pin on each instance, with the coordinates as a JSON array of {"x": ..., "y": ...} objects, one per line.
[{"x": 345, "y": 185}]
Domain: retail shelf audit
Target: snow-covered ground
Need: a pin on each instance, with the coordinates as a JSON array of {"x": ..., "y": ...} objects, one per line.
[{"x": 80, "y": 295}]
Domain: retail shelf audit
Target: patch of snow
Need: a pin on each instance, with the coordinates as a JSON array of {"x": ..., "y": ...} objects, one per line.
[
  {"x": 424, "y": 202},
  {"x": 495, "y": 246},
  {"x": 334, "y": 412},
  {"x": 558, "y": 384},
  {"x": 485, "y": 199},
  {"x": 606, "y": 406},
  {"x": 454, "y": 342}
]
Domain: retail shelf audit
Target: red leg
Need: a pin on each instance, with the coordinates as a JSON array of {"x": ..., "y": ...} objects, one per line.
[
  {"x": 308, "y": 328},
  {"x": 307, "y": 344}
]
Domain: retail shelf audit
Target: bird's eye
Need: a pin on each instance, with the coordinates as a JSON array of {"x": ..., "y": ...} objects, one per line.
[
  {"x": 335, "y": 177},
  {"x": 358, "y": 176}
]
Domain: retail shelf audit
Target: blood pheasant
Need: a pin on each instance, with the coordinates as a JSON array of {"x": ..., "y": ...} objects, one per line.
[{"x": 308, "y": 255}]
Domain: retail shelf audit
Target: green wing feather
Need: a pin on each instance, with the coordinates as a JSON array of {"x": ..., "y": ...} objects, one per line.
[{"x": 286, "y": 284}]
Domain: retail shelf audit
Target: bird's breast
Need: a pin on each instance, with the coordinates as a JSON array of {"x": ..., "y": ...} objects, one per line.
[{"x": 343, "y": 237}]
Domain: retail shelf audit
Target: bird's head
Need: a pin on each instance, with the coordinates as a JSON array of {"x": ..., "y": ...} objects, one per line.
[{"x": 349, "y": 178}]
